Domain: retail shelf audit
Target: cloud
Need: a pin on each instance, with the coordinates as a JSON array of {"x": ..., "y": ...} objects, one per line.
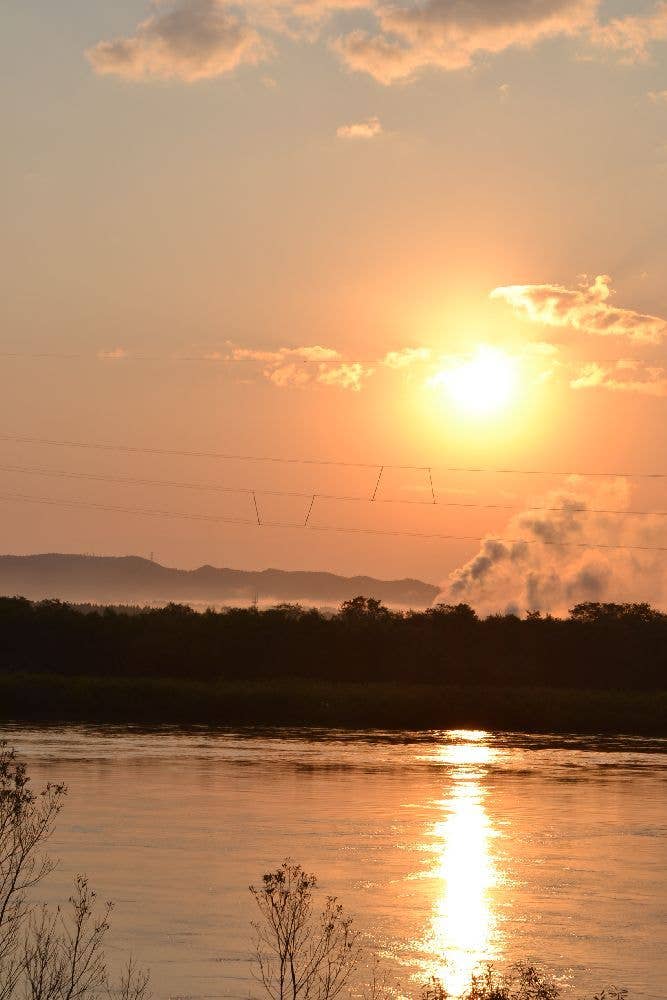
[
  {"x": 117, "y": 354},
  {"x": 540, "y": 349},
  {"x": 347, "y": 375},
  {"x": 186, "y": 40},
  {"x": 288, "y": 376},
  {"x": 314, "y": 353},
  {"x": 295, "y": 367},
  {"x": 300, "y": 19},
  {"x": 386, "y": 59},
  {"x": 192, "y": 40},
  {"x": 586, "y": 308},
  {"x": 367, "y": 129},
  {"x": 252, "y": 354},
  {"x": 547, "y": 559},
  {"x": 632, "y": 36},
  {"x": 406, "y": 357},
  {"x": 658, "y": 96},
  {"x": 289, "y": 367},
  {"x": 446, "y": 35},
  {"x": 623, "y": 376}
]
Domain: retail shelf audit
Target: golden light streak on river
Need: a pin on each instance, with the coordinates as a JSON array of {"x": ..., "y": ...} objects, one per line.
[{"x": 463, "y": 930}]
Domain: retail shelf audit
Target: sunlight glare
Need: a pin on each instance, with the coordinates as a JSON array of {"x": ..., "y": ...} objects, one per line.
[{"x": 482, "y": 385}]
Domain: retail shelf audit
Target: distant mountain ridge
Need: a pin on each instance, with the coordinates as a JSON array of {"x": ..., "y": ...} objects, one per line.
[{"x": 134, "y": 580}]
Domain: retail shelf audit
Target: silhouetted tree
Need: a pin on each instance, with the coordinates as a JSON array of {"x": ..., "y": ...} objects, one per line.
[
  {"x": 593, "y": 613},
  {"x": 453, "y": 612},
  {"x": 366, "y": 609}
]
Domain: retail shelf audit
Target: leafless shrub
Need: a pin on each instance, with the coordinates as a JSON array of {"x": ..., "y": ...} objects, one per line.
[
  {"x": 26, "y": 822},
  {"x": 434, "y": 989},
  {"x": 520, "y": 982},
  {"x": 300, "y": 955},
  {"x": 377, "y": 985}
]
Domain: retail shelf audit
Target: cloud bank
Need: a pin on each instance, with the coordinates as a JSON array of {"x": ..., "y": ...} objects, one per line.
[
  {"x": 192, "y": 40},
  {"x": 586, "y": 308}
]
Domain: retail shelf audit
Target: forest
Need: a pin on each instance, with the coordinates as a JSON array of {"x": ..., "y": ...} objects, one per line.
[{"x": 603, "y": 647}]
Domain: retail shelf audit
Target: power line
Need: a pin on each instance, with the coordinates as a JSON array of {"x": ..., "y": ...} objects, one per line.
[
  {"x": 115, "y": 508},
  {"x": 254, "y": 493},
  {"x": 112, "y": 358},
  {"x": 481, "y": 538},
  {"x": 149, "y": 512},
  {"x": 231, "y": 457},
  {"x": 275, "y": 358},
  {"x": 128, "y": 449}
]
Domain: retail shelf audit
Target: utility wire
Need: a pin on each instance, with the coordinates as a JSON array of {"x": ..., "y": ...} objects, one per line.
[
  {"x": 230, "y": 457},
  {"x": 288, "y": 359},
  {"x": 128, "y": 449},
  {"x": 254, "y": 493},
  {"x": 115, "y": 508},
  {"x": 118, "y": 359},
  {"x": 149, "y": 512}
]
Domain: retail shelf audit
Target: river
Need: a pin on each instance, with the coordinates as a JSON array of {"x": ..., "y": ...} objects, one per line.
[{"x": 450, "y": 848}]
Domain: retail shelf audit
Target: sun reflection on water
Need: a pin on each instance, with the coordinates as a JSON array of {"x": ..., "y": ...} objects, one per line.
[{"x": 463, "y": 932}]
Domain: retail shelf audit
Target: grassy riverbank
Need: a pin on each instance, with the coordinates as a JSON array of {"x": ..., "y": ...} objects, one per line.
[{"x": 51, "y": 697}]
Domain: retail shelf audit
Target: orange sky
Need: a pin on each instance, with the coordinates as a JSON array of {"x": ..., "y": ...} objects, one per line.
[{"x": 428, "y": 236}]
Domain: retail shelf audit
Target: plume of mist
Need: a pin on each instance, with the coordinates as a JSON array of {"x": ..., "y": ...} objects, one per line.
[{"x": 550, "y": 559}]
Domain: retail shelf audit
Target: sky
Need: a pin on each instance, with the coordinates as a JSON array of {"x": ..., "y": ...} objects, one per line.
[{"x": 419, "y": 236}]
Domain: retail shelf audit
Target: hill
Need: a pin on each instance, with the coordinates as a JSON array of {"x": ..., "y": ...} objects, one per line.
[{"x": 133, "y": 580}]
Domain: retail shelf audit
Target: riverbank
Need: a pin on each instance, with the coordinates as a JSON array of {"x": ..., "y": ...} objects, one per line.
[{"x": 51, "y": 697}]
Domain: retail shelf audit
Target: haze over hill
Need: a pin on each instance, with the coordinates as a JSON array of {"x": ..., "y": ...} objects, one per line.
[{"x": 131, "y": 579}]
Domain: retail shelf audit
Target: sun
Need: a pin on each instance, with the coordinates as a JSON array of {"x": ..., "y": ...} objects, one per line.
[{"x": 483, "y": 385}]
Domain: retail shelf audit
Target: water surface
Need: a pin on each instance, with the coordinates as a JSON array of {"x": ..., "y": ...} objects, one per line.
[{"x": 450, "y": 848}]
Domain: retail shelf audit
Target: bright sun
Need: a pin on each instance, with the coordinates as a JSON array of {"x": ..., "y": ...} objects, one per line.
[{"x": 483, "y": 385}]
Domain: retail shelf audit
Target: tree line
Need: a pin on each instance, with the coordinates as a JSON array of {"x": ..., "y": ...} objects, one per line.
[{"x": 598, "y": 646}]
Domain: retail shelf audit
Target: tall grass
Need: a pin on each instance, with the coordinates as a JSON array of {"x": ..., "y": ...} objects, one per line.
[{"x": 52, "y": 697}]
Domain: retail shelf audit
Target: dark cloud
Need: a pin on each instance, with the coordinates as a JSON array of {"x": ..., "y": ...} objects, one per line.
[
  {"x": 186, "y": 40},
  {"x": 448, "y": 35}
]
